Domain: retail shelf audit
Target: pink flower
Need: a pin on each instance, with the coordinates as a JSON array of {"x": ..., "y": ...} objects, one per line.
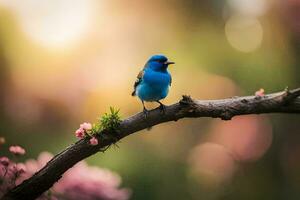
[
  {"x": 17, "y": 150},
  {"x": 80, "y": 133},
  {"x": 10, "y": 175},
  {"x": 21, "y": 168},
  {"x": 86, "y": 126},
  {"x": 85, "y": 182},
  {"x": 93, "y": 141},
  {"x": 80, "y": 182},
  {"x": 4, "y": 161},
  {"x": 260, "y": 92}
]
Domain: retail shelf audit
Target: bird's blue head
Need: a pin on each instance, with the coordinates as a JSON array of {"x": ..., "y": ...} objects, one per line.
[{"x": 158, "y": 63}]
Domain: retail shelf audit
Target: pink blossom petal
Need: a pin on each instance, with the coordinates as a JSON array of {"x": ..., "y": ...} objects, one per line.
[
  {"x": 17, "y": 150},
  {"x": 260, "y": 92},
  {"x": 80, "y": 133},
  {"x": 21, "y": 168},
  {"x": 93, "y": 141},
  {"x": 86, "y": 126},
  {"x": 4, "y": 161}
]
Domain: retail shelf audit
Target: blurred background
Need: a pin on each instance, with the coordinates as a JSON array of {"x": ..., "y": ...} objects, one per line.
[{"x": 63, "y": 62}]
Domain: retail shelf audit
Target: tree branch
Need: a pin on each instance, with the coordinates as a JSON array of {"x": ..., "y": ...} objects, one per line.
[{"x": 281, "y": 102}]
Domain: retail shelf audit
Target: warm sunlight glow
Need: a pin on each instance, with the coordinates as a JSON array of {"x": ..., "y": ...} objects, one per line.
[
  {"x": 54, "y": 23},
  {"x": 249, "y": 7}
]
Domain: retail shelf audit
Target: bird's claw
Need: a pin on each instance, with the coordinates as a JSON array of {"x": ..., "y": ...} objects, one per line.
[
  {"x": 162, "y": 108},
  {"x": 146, "y": 113}
]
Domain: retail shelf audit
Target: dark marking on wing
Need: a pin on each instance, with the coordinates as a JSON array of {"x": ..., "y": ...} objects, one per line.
[{"x": 137, "y": 82}]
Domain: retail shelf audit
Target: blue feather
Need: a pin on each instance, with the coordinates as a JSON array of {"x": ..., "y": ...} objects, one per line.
[{"x": 153, "y": 83}]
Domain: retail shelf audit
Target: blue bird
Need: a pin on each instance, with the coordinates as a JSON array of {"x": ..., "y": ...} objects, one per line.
[{"x": 153, "y": 81}]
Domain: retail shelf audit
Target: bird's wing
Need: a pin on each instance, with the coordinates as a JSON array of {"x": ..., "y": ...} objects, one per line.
[
  {"x": 137, "y": 82},
  {"x": 170, "y": 81}
]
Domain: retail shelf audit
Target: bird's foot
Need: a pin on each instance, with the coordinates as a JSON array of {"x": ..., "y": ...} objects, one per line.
[
  {"x": 146, "y": 113},
  {"x": 162, "y": 108}
]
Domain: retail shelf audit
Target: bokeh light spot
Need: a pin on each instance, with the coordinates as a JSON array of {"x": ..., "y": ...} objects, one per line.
[
  {"x": 213, "y": 163},
  {"x": 247, "y": 137},
  {"x": 243, "y": 33}
]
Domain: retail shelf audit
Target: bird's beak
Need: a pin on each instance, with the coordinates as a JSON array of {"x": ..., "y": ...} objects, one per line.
[{"x": 169, "y": 63}]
